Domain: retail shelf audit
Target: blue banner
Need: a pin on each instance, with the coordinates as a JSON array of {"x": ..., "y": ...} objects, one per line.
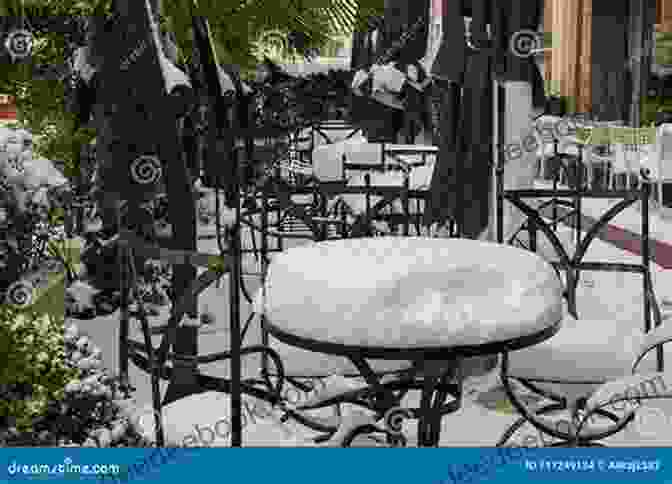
[{"x": 327, "y": 466}]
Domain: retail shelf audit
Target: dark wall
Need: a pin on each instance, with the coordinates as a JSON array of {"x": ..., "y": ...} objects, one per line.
[{"x": 611, "y": 84}]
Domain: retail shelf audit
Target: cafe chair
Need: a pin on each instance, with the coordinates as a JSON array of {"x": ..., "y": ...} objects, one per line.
[
  {"x": 388, "y": 195},
  {"x": 566, "y": 369},
  {"x": 329, "y": 132},
  {"x": 627, "y": 158},
  {"x": 323, "y": 133},
  {"x": 162, "y": 423},
  {"x": 632, "y": 391},
  {"x": 657, "y": 159}
]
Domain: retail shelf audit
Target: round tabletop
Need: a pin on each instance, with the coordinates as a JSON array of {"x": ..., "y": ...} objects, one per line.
[{"x": 392, "y": 297}]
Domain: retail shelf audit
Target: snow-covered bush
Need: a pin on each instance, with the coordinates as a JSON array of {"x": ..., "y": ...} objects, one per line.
[
  {"x": 55, "y": 389},
  {"x": 33, "y": 366}
]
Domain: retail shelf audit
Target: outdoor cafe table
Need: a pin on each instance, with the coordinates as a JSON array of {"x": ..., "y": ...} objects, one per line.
[{"x": 429, "y": 301}]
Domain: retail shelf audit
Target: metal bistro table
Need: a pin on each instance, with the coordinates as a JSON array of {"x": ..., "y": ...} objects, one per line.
[{"x": 429, "y": 301}]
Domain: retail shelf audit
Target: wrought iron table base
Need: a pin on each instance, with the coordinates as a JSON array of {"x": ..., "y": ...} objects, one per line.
[{"x": 435, "y": 380}]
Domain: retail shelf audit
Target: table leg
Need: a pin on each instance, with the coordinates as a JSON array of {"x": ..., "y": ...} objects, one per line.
[
  {"x": 440, "y": 379},
  {"x": 439, "y": 382}
]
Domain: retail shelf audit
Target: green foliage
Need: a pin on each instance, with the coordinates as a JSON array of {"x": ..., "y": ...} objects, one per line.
[
  {"x": 663, "y": 52},
  {"x": 239, "y": 29},
  {"x": 59, "y": 394},
  {"x": 33, "y": 365},
  {"x": 650, "y": 106}
]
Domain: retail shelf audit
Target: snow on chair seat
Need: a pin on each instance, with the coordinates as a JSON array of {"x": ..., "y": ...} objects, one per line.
[{"x": 583, "y": 351}]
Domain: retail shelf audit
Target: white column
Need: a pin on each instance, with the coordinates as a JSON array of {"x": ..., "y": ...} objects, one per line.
[{"x": 518, "y": 171}]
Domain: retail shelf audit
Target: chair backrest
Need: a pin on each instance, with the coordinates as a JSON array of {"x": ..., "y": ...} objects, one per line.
[
  {"x": 540, "y": 206},
  {"x": 372, "y": 166},
  {"x": 330, "y": 132},
  {"x": 409, "y": 155},
  {"x": 377, "y": 182},
  {"x": 660, "y": 165}
]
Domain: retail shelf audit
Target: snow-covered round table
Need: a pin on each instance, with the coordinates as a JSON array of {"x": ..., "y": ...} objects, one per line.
[{"x": 430, "y": 301}]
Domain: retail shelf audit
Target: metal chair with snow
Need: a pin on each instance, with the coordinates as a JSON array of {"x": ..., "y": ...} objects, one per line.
[
  {"x": 569, "y": 367},
  {"x": 631, "y": 391},
  {"x": 386, "y": 196}
]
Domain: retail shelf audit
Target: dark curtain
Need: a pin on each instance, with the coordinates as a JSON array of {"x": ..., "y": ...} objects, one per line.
[
  {"x": 460, "y": 187},
  {"x": 508, "y": 18},
  {"x": 450, "y": 59},
  {"x": 358, "y": 56},
  {"x": 610, "y": 78},
  {"x": 477, "y": 133},
  {"x": 461, "y": 105},
  {"x": 442, "y": 197},
  {"x": 445, "y": 105}
]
